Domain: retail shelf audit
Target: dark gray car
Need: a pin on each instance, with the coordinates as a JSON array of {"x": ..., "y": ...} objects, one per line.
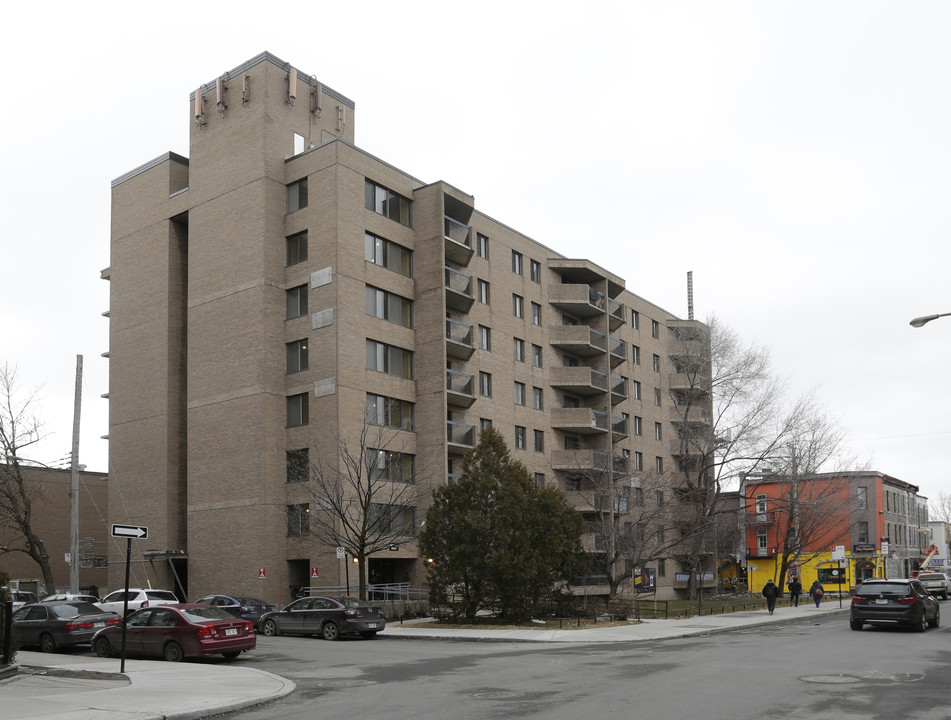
[
  {"x": 897, "y": 602},
  {"x": 242, "y": 606},
  {"x": 55, "y": 625},
  {"x": 329, "y": 617}
]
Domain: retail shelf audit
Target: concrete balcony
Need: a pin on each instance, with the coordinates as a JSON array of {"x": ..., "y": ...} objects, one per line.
[
  {"x": 617, "y": 314},
  {"x": 579, "y": 380},
  {"x": 459, "y": 339},
  {"x": 458, "y": 290},
  {"x": 459, "y": 388},
  {"x": 582, "y": 301},
  {"x": 618, "y": 389},
  {"x": 583, "y": 421},
  {"x": 694, "y": 414},
  {"x": 458, "y": 241},
  {"x": 619, "y": 426},
  {"x": 586, "y": 462},
  {"x": 580, "y": 340},
  {"x": 618, "y": 351},
  {"x": 690, "y": 383},
  {"x": 460, "y": 437}
]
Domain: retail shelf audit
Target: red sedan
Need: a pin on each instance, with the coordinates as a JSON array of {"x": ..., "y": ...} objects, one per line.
[{"x": 175, "y": 632}]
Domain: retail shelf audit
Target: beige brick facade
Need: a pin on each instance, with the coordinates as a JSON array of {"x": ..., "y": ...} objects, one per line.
[{"x": 199, "y": 382}]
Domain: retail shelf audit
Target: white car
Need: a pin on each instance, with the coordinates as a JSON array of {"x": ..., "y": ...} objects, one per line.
[
  {"x": 68, "y": 597},
  {"x": 138, "y": 598}
]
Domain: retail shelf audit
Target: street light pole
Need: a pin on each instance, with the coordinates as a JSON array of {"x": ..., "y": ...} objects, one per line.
[{"x": 74, "y": 484}]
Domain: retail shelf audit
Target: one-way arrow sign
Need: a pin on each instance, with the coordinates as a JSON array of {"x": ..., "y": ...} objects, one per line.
[{"x": 139, "y": 532}]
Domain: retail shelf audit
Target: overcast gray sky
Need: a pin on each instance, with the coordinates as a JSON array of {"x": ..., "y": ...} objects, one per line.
[{"x": 794, "y": 155}]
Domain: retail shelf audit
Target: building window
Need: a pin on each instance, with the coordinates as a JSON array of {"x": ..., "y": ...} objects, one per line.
[
  {"x": 538, "y": 398},
  {"x": 392, "y": 520},
  {"x": 298, "y": 465},
  {"x": 539, "y": 441},
  {"x": 517, "y": 262},
  {"x": 387, "y": 306},
  {"x": 572, "y": 442},
  {"x": 482, "y": 246},
  {"x": 536, "y": 314},
  {"x": 297, "y": 410},
  {"x": 536, "y": 356},
  {"x": 638, "y": 423},
  {"x": 390, "y": 412},
  {"x": 519, "y": 393},
  {"x": 519, "y": 437},
  {"x": 390, "y": 466},
  {"x": 861, "y": 499},
  {"x": 635, "y": 320},
  {"x": 535, "y": 271},
  {"x": 485, "y": 338},
  {"x": 658, "y": 431},
  {"x": 389, "y": 359},
  {"x": 659, "y": 498},
  {"x": 862, "y": 532},
  {"x": 297, "y": 195},
  {"x": 388, "y": 203},
  {"x": 655, "y": 329},
  {"x": 484, "y": 423},
  {"x": 636, "y": 389},
  {"x": 296, "y": 356},
  {"x": 296, "y": 248},
  {"x": 298, "y": 520},
  {"x": 485, "y": 384},
  {"x": 519, "y": 346},
  {"x": 656, "y": 363},
  {"x": 540, "y": 480},
  {"x": 635, "y": 355},
  {"x": 661, "y": 568},
  {"x": 483, "y": 292},
  {"x": 638, "y": 461},
  {"x": 659, "y": 465},
  {"x": 385, "y": 253},
  {"x": 761, "y": 505},
  {"x": 518, "y": 306},
  {"x": 296, "y": 302}
]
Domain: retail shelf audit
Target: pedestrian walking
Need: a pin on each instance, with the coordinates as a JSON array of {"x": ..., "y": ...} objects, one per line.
[
  {"x": 770, "y": 592},
  {"x": 817, "y": 591},
  {"x": 795, "y": 590}
]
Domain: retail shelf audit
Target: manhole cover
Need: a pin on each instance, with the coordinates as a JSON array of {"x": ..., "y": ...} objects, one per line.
[
  {"x": 495, "y": 695},
  {"x": 342, "y": 683},
  {"x": 829, "y": 679}
]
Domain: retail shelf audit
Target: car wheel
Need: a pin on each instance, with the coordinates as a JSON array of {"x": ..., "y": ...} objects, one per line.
[
  {"x": 330, "y": 631},
  {"x": 231, "y": 655},
  {"x": 174, "y": 652},
  {"x": 269, "y": 628},
  {"x": 855, "y": 624},
  {"x": 922, "y": 625},
  {"x": 47, "y": 643},
  {"x": 937, "y": 618},
  {"x": 369, "y": 635},
  {"x": 103, "y": 647}
]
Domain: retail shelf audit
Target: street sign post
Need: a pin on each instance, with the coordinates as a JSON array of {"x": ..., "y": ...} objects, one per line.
[{"x": 139, "y": 532}]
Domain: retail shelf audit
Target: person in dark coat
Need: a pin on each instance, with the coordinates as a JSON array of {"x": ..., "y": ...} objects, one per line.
[
  {"x": 817, "y": 591},
  {"x": 770, "y": 592},
  {"x": 795, "y": 589}
]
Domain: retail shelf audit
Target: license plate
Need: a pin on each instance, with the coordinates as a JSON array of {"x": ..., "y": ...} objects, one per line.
[
  {"x": 231, "y": 631},
  {"x": 881, "y": 601},
  {"x": 371, "y": 625},
  {"x": 99, "y": 624}
]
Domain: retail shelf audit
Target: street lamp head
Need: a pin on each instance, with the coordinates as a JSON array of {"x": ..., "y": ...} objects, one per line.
[{"x": 925, "y": 319}]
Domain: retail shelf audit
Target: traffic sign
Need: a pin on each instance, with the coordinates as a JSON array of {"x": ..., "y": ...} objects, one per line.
[
  {"x": 341, "y": 553},
  {"x": 139, "y": 532}
]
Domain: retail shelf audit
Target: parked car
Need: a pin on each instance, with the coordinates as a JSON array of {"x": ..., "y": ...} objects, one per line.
[
  {"x": 138, "y": 598},
  {"x": 60, "y": 624},
  {"x": 66, "y": 597},
  {"x": 19, "y": 597},
  {"x": 936, "y": 583},
  {"x": 329, "y": 617},
  {"x": 175, "y": 632},
  {"x": 241, "y": 606},
  {"x": 900, "y": 601}
]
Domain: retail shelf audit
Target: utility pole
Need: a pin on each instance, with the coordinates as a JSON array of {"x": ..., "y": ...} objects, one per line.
[{"x": 74, "y": 484}]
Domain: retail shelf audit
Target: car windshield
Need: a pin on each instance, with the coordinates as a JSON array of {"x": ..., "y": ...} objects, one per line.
[
  {"x": 897, "y": 589},
  {"x": 160, "y": 595},
  {"x": 71, "y": 610},
  {"x": 202, "y": 614}
]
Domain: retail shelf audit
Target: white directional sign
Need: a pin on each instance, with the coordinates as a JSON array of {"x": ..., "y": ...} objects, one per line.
[{"x": 139, "y": 532}]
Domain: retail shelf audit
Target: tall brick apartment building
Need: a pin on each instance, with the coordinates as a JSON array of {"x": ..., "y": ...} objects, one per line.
[{"x": 274, "y": 285}]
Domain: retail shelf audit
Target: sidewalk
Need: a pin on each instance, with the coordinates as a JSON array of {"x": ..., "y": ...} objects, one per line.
[{"x": 52, "y": 686}]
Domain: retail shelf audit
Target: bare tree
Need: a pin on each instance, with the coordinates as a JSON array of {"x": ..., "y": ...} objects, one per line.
[
  {"x": 20, "y": 428},
  {"x": 364, "y": 494},
  {"x": 939, "y": 509}
]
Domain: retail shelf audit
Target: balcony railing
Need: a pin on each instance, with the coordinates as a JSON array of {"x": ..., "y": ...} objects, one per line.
[
  {"x": 580, "y": 300},
  {"x": 459, "y": 388},
  {"x": 618, "y": 351},
  {"x": 460, "y": 434},
  {"x": 458, "y": 290},
  {"x": 618, "y": 389},
  {"x": 459, "y": 335},
  {"x": 616, "y": 313},
  {"x": 759, "y": 552},
  {"x": 458, "y": 243},
  {"x": 619, "y": 426}
]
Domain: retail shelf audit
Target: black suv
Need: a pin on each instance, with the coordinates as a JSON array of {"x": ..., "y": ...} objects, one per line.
[{"x": 902, "y": 601}]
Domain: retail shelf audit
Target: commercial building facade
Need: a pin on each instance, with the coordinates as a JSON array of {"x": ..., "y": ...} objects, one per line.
[
  {"x": 839, "y": 528},
  {"x": 279, "y": 286}
]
